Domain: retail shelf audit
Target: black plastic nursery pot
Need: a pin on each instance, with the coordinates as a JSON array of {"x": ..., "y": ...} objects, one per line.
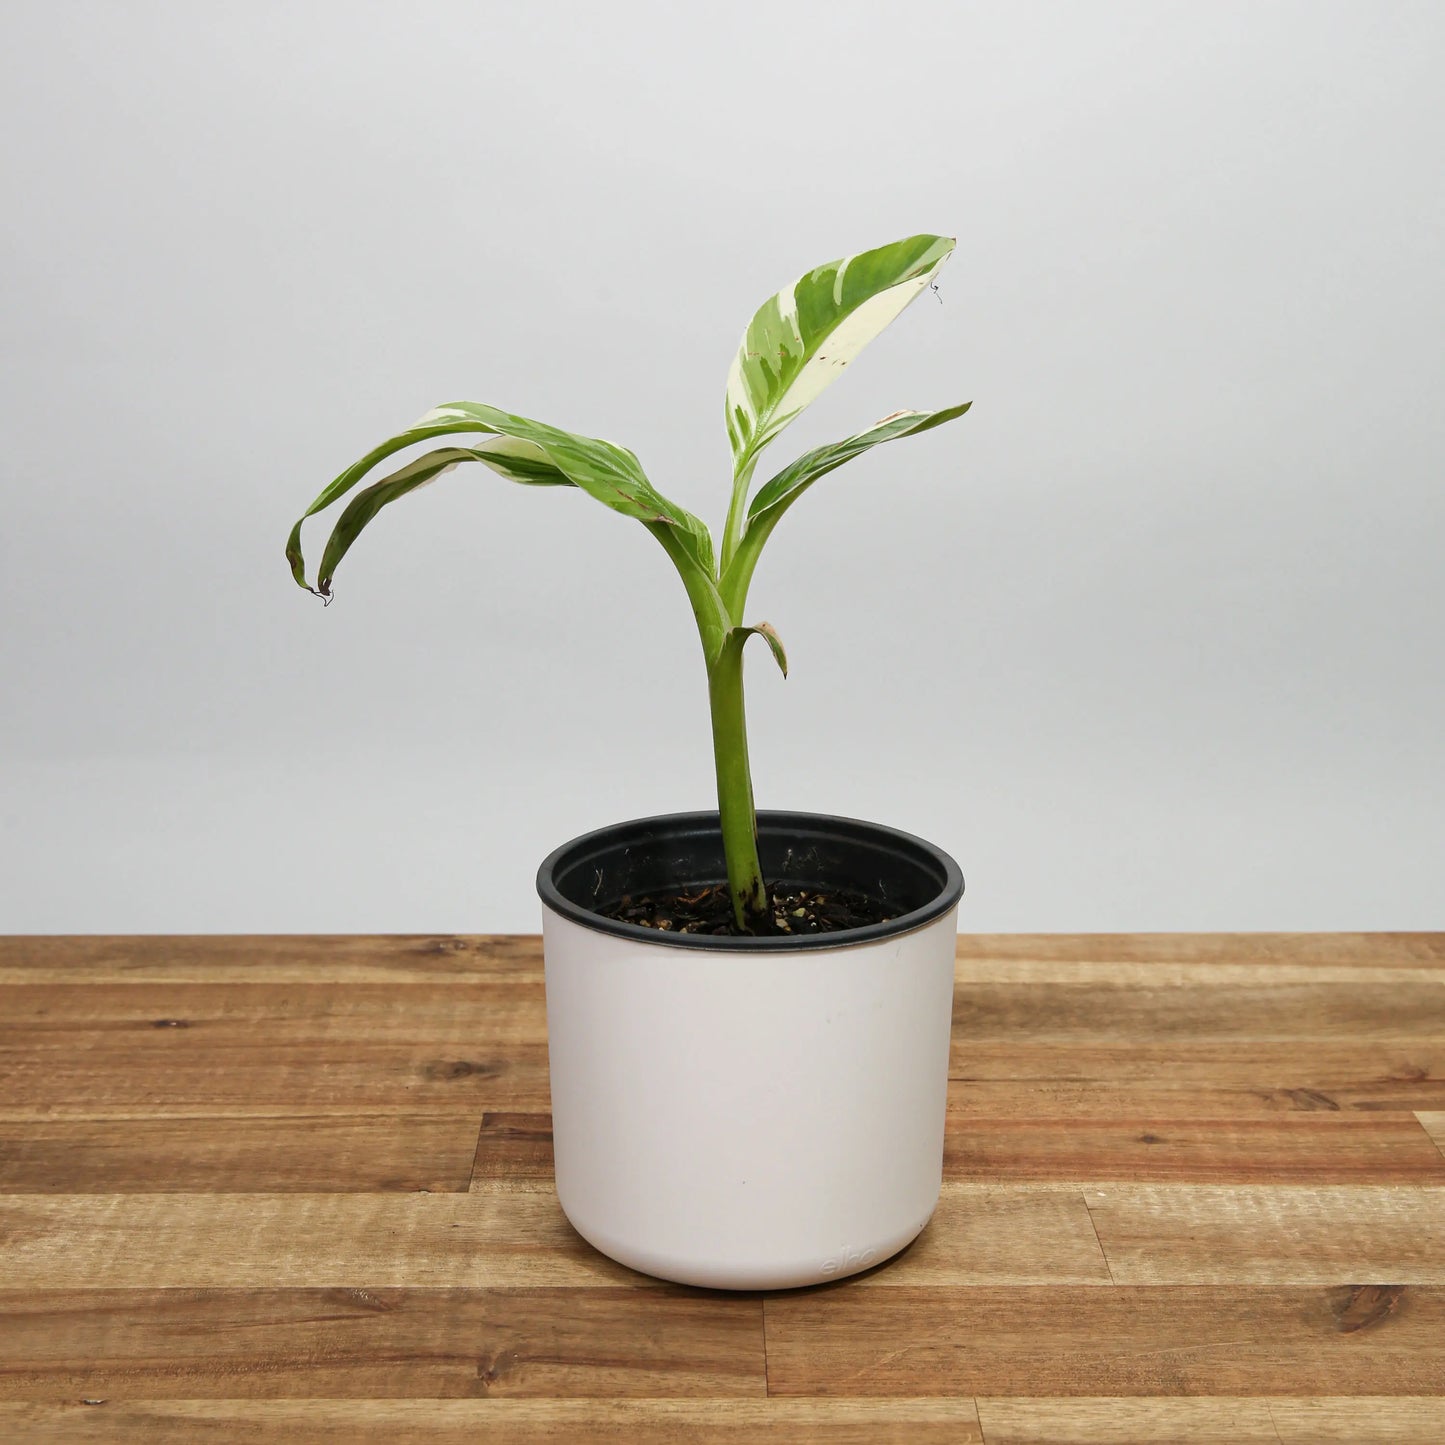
[{"x": 914, "y": 878}]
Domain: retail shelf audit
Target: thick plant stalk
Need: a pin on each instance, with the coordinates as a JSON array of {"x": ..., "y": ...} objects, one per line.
[{"x": 735, "y": 784}]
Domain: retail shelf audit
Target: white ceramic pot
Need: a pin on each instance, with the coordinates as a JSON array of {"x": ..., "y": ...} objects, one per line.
[{"x": 749, "y": 1113}]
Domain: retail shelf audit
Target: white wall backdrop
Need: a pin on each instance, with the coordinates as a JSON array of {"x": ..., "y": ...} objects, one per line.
[{"x": 1150, "y": 640}]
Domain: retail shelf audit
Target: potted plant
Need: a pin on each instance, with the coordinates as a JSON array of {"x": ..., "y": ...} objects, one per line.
[{"x": 748, "y": 1014}]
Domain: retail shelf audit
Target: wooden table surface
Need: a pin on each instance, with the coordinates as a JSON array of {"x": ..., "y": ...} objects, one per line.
[{"x": 300, "y": 1189}]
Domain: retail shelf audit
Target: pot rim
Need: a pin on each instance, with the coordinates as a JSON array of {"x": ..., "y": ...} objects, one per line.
[{"x": 911, "y": 847}]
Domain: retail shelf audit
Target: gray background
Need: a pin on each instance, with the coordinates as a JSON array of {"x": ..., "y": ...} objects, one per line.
[{"x": 1151, "y": 639}]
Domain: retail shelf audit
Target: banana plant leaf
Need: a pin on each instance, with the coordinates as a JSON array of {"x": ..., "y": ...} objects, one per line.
[{"x": 800, "y": 340}]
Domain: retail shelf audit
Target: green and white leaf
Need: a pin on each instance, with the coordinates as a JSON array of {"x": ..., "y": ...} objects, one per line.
[
  {"x": 519, "y": 449},
  {"x": 801, "y": 339},
  {"x": 777, "y": 495},
  {"x": 798, "y": 476},
  {"x": 357, "y": 471},
  {"x": 608, "y": 472},
  {"x": 517, "y": 461}
]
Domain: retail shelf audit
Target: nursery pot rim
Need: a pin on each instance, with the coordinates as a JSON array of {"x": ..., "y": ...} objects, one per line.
[{"x": 906, "y": 849}]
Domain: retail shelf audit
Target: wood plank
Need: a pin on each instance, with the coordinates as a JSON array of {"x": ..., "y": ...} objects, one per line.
[
  {"x": 1301, "y": 1148},
  {"x": 376, "y": 1343},
  {"x": 502, "y": 1234},
  {"x": 260, "y": 1152},
  {"x": 1203, "y": 1234},
  {"x": 182, "y": 1017},
  {"x": 1124, "y": 1421},
  {"x": 501, "y": 1421},
  {"x": 102, "y": 1046},
  {"x": 1310, "y": 950},
  {"x": 1157, "y": 1098},
  {"x": 1094, "y": 973},
  {"x": 1304, "y": 1072},
  {"x": 1197, "y": 1340},
  {"x": 996, "y": 1236},
  {"x": 1417, "y": 1420},
  {"x": 519, "y": 1146},
  {"x": 493, "y": 1237},
  {"x": 468, "y": 1075},
  {"x": 257, "y": 958},
  {"x": 1242, "y": 1012}
]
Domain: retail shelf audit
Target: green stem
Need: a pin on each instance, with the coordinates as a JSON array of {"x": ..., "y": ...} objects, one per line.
[
  {"x": 737, "y": 516},
  {"x": 735, "y": 785}
]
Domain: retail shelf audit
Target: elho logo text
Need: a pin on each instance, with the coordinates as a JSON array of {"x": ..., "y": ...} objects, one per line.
[{"x": 848, "y": 1259}]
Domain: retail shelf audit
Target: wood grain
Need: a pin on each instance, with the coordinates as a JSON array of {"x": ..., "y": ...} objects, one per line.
[
  {"x": 1125, "y": 1421},
  {"x": 209, "y": 1153},
  {"x": 468, "y": 1042},
  {"x": 1434, "y": 1126},
  {"x": 1199, "y": 1340},
  {"x": 1414, "y": 1421},
  {"x": 377, "y": 1343},
  {"x": 1380, "y": 1420},
  {"x": 1009, "y": 1235},
  {"x": 276, "y": 1189},
  {"x": 500, "y": 1235},
  {"x": 488, "y": 1238},
  {"x": 513, "y": 1145},
  {"x": 1162, "y": 1234},
  {"x": 279, "y": 958},
  {"x": 501, "y": 1421},
  {"x": 1199, "y": 1078},
  {"x": 1303, "y": 1148},
  {"x": 1320, "y": 951}
]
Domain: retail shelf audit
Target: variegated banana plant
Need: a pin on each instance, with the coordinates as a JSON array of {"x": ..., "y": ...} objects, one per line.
[{"x": 795, "y": 346}]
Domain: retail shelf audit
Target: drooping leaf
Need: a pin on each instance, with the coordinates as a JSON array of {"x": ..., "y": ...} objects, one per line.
[
  {"x": 522, "y": 451},
  {"x": 769, "y": 634},
  {"x": 517, "y": 461},
  {"x": 801, "y": 339},
  {"x": 355, "y": 472},
  {"x": 777, "y": 495},
  {"x": 607, "y": 471}
]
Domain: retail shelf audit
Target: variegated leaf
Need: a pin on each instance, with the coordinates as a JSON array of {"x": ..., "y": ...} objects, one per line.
[
  {"x": 515, "y": 460},
  {"x": 607, "y": 471},
  {"x": 801, "y": 474},
  {"x": 355, "y": 472},
  {"x": 603, "y": 469},
  {"x": 776, "y": 496},
  {"x": 523, "y": 451},
  {"x": 801, "y": 339}
]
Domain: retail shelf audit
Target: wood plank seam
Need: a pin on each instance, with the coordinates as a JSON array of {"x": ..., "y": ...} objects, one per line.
[
  {"x": 1437, "y": 1139},
  {"x": 476, "y": 1150},
  {"x": 1273, "y": 1423},
  {"x": 1103, "y": 1253},
  {"x": 763, "y": 1323}
]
